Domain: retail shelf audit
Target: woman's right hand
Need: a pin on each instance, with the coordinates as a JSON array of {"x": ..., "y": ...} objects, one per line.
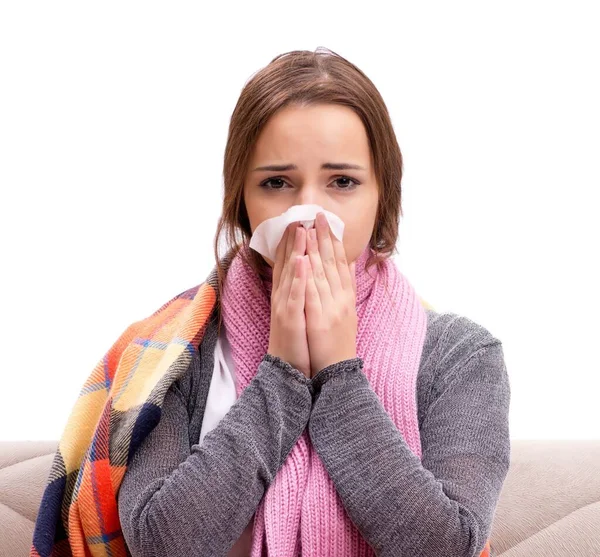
[{"x": 287, "y": 337}]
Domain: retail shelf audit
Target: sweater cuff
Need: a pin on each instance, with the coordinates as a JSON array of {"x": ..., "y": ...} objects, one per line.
[
  {"x": 288, "y": 368},
  {"x": 336, "y": 373}
]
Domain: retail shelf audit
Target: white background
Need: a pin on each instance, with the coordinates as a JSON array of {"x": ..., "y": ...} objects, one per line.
[{"x": 113, "y": 121}]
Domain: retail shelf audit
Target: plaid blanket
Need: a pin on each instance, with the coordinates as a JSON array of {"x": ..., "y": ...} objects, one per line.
[{"x": 118, "y": 406}]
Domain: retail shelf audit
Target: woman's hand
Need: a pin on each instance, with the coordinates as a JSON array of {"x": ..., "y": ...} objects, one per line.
[
  {"x": 287, "y": 337},
  {"x": 330, "y": 307}
]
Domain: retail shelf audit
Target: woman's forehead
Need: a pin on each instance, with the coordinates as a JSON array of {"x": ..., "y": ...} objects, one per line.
[{"x": 315, "y": 135}]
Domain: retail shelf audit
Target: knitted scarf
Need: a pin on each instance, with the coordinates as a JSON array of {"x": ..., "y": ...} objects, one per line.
[
  {"x": 391, "y": 331},
  {"x": 120, "y": 404}
]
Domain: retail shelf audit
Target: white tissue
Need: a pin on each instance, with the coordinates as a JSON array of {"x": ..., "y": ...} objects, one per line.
[{"x": 268, "y": 233}]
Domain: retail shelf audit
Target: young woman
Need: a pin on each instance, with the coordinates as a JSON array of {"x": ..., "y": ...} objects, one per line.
[{"x": 327, "y": 411}]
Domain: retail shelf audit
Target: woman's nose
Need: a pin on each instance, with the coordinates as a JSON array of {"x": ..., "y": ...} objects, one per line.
[{"x": 308, "y": 196}]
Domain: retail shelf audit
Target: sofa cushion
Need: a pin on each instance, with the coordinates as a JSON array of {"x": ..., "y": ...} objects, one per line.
[
  {"x": 549, "y": 504},
  {"x": 24, "y": 468}
]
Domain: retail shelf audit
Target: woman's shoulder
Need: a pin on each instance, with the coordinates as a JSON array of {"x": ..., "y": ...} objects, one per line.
[
  {"x": 451, "y": 333},
  {"x": 451, "y": 341}
]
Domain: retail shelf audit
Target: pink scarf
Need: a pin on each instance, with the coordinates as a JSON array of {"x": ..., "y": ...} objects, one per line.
[{"x": 301, "y": 505}]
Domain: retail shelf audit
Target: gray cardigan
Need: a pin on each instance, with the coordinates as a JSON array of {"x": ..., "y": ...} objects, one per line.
[{"x": 182, "y": 499}]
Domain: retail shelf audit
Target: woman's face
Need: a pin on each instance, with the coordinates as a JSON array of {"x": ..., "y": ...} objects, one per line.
[{"x": 300, "y": 141}]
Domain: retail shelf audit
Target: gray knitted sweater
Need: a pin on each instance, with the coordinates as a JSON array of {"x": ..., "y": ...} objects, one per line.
[{"x": 182, "y": 499}]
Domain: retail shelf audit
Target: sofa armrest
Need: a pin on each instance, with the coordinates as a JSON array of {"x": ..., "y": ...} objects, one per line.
[
  {"x": 550, "y": 500},
  {"x": 24, "y": 469}
]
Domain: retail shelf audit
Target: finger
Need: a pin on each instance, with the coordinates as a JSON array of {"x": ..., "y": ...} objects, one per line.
[
  {"x": 280, "y": 258},
  {"x": 295, "y": 301},
  {"x": 289, "y": 245},
  {"x": 289, "y": 264},
  {"x": 319, "y": 276},
  {"x": 284, "y": 270},
  {"x": 343, "y": 267},
  {"x": 353, "y": 275},
  {"x": 298, "y": 248},
  {"x": 328, "y": 256},
  {"x": 312, "y": 299}
]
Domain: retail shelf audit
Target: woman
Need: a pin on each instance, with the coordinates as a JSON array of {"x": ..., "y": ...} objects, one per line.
[{"x": 326, "y": 411}]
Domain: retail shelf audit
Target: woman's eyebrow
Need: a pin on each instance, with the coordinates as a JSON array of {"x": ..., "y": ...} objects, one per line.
[{"x": 324, "y": 166}]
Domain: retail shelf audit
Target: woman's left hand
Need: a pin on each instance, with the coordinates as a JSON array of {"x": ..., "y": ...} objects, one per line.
[{"x": 330, "y": 305}]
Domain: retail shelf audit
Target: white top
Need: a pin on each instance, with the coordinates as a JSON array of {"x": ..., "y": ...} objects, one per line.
[
  {"x": 222, "y": 392},
  {"x": 221, "y": 397}
]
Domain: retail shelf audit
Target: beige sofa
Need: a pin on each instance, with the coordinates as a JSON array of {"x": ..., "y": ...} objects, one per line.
[{"x": 549, "y": 506}]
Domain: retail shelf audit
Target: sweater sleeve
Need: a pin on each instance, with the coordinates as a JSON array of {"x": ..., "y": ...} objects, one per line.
[
  {"x": 442, "y": 504},
  {"x": 179, "y": 500}
]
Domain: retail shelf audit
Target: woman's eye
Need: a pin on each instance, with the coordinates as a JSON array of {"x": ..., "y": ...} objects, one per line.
[
  {"x": 266, "y": 182},
  {"x": 342, "y": 181},
  {"x": 347, "y": 186}
]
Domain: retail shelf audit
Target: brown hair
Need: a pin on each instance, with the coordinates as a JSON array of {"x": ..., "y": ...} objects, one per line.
[{"x": 302, "y": 77}]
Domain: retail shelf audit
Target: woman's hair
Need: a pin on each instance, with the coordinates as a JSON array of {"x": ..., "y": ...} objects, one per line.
[{"x": 302, "y": 78}]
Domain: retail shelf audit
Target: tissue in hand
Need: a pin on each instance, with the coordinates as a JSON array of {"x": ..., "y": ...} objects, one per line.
[{"x": 268, "y": 233}]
